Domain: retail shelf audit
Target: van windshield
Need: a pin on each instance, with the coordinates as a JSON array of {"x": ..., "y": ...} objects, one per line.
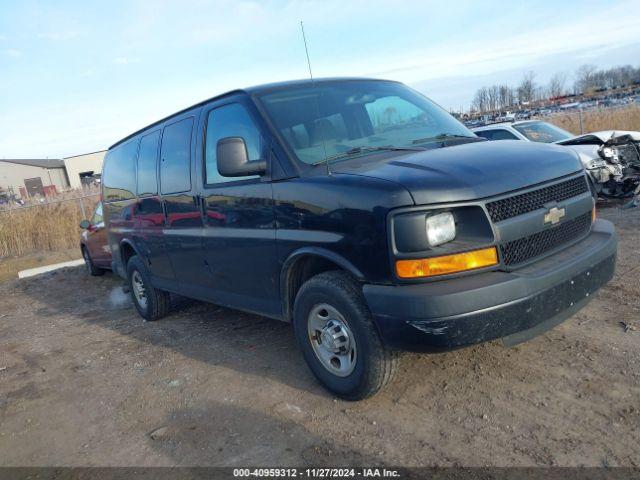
[{"x": 337, "y": 119}]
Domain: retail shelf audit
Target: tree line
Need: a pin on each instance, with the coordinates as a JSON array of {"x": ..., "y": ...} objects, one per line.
[{"x": 587, "y": 78}]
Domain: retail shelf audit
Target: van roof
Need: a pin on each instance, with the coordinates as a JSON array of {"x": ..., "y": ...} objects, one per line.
[{"x": 258, "y": 89}]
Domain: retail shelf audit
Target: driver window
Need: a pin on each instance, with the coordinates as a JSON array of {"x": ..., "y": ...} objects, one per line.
[{"x": 230, "y": 120}]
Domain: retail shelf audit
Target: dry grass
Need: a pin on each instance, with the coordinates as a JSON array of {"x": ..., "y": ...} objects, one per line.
[
  {"x": 42, "y": 228},
  {"x": 627, "y": 118}
]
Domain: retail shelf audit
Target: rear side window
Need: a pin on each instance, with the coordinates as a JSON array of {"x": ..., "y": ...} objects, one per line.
[
  {"x": 231, "y": 120},
  {"x": 488, "y": 134},
  {"x": 503, "y": 135},
  {"x": 175, "y": 165},
  {"x": 147, "y": 164},
  {"x": 119, "y": 176}
]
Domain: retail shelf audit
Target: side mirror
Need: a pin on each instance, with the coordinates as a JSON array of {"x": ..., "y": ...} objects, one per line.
[
  {"x": 84, "y": 224},
  {"x": 233, "y": 159}
]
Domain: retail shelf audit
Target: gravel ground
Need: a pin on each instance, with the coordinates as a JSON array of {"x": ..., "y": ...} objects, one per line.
[{"x": 84, "y": 381}]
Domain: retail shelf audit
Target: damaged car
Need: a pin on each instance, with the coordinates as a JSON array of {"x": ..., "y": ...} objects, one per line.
[{"x": 611, "y": 157}]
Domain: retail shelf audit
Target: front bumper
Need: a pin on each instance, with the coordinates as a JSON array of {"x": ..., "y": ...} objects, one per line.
[{"x": 518, "y": 305}]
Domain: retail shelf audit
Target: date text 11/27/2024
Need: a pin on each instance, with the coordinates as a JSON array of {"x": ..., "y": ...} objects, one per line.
[{"x": 316, "y": 472}]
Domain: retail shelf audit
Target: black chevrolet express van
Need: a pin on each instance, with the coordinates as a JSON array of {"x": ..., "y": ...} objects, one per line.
[{"x": 360, "y": 212}]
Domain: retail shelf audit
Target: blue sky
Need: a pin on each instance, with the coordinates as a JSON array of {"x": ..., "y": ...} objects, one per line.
[{"x": 76, "y": 76}]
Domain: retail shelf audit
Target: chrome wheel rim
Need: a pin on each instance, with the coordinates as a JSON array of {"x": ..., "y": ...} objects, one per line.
[
  {"x": 332, "y": 340},
  {"x": 139, "y": 291}
]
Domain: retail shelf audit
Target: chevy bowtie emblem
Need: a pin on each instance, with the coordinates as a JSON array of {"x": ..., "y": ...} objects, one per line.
[{"x": 554, "y": 215}]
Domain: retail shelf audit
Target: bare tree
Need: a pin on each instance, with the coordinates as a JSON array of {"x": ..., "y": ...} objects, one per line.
[
  {"x": 493, "y": 95},
  {"x": 480, "y": 100},
  {"x": 527, "y": 87},
  {"x": 557, "y": 84},
  {"x": 585, "y": 78},
  {"x": 506, "y": 96}
]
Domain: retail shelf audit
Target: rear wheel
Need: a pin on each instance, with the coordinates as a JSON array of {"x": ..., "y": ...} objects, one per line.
[
  {"x": 151, "y": 303},
  {"x": 339, "y": 341},
  {"x": 89, "y": 265}
]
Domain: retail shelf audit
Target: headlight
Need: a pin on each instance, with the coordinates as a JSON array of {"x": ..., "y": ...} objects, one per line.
[
  {"x": 607, "y": 152},
  {"x": 610, "y": 154},
  {"x": 441, "y": 228}
]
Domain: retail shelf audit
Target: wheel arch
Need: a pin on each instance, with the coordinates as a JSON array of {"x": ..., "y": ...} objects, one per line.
[
  {"x": 127, "y": 249},
  {"x": 303, "y": 264}
]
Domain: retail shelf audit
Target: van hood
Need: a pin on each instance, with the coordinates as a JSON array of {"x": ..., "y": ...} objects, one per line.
[{"x": 469, "y": 171}]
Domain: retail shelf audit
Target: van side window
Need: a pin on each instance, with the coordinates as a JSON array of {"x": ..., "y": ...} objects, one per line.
[
  {"x": 120, "y": 172},
  {"x": 147, "y": 164},
  {"x": 175, "y": 164},
  {"x": 231, "y": 120}
]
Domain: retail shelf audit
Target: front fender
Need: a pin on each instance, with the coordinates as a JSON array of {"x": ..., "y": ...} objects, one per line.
[{"x": 289, "y": 265}]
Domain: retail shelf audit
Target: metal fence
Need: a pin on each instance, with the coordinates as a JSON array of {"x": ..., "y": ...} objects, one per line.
[{"x": 82, "y": 201}]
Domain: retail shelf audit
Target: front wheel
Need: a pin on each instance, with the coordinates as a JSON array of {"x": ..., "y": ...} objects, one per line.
[
  {"x": 338, "y": 339},
  {"x": 89, "y": 265},
  {"x": 151, "y": 303}
]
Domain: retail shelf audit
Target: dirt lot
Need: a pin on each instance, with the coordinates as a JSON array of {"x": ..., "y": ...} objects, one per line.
[
  {"x": 84, "y": 381},
  {"x": 10, "y": 266}
]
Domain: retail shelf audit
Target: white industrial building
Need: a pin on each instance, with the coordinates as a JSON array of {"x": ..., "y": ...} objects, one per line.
[
  {"x": 84, "y": 169},
  {"x": 32, "y": 177},
  {"x": 24, "y": 178}
]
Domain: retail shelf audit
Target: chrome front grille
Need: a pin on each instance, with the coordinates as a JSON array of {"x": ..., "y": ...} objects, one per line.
[{"x": 505, "y": 208}]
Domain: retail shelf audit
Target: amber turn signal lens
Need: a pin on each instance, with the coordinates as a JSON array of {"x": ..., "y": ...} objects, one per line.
[
  {"x": 593, "y": 214},
  {"x": 459, "y": 262}
]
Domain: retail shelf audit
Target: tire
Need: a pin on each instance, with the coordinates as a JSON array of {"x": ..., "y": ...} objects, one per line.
[
  {"x": 88, "y": 262},
  {"x": 351, "y": 376},
  {"x": 157, "y": 302}
]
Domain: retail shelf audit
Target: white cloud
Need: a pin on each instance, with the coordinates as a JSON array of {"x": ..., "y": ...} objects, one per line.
[
  {"x": 59, "y": 35},
  {"x": 122, "y": 60},
  {"x": 12, "y": 52}
]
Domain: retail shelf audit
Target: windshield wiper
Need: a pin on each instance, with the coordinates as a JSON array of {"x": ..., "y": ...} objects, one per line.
[
  {"x": 363, "y": 149},
  {"x": 445, "y": 136}
]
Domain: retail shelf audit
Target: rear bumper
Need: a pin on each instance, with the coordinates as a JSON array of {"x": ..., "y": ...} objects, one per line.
[{"x": 518, "y": 305}]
